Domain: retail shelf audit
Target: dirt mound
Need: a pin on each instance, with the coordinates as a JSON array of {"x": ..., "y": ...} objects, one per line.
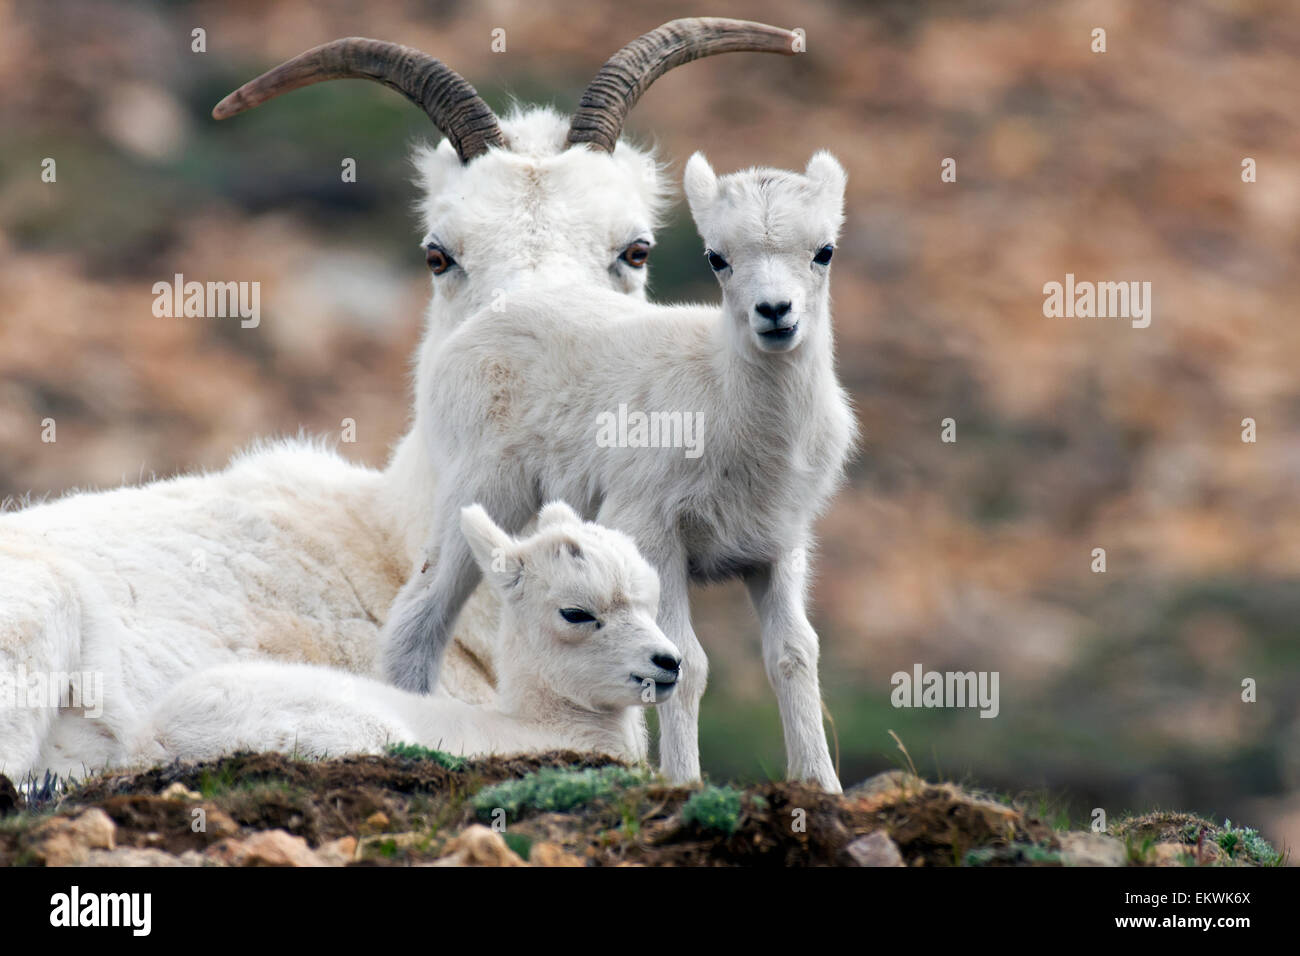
[{"x": 561, "y": 809}]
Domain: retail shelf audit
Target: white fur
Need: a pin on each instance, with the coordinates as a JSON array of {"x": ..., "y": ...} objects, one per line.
[
  {"x": 510, "y": 419},
  {"x": 580, "y": 686},
  {"x": 301, "y": 552}
]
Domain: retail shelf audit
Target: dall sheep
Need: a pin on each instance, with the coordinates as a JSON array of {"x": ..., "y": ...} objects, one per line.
[
  {"x": 293, "y": 553},
  {"x": 579, "y": 656},
  {"x": 517, "y": 399}
]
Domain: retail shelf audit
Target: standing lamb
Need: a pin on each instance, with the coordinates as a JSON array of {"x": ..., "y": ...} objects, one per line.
[
  {"x": 293, "y": 553},
  {"x": 579, "y": 655},
  {"x": 518, "y": 399}
]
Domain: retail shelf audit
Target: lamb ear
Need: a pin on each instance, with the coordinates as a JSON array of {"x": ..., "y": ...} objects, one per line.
[
  {"x": 493, "y": 548},
  {"x": 557, "y": 512},
  {"x": 825, "y": 170},
  {"x": 700, "y": 184}
]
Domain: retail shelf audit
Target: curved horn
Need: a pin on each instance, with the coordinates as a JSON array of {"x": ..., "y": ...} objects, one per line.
[
  {"x": 629, "y": 72},
  {"x": 454, "y": 106}
]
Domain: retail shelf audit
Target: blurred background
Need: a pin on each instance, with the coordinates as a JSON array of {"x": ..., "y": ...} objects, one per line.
[{"x": 1119, "y": 690}]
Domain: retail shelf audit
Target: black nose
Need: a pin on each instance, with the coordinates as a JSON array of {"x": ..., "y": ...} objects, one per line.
[
  {"x": 666, "y": 662},
  {"x": 773, "y": 311}
]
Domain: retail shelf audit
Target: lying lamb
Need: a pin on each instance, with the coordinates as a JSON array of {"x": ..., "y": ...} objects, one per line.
[
  {"x": 580, "y": 655},
  {"x": 519, "y": 395}
]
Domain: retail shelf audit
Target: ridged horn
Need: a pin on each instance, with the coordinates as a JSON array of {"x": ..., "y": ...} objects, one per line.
[
  {"x": 628, "y": 73},
  {"x": 454, "y": 106}
]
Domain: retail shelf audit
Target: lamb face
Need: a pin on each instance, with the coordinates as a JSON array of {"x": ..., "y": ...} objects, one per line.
[
  {"x": 769, "y": 236},
  {"x": 579, "y": 608}
]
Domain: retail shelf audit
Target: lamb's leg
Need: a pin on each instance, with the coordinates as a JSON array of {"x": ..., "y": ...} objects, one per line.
[
  {"x": 679, "y": 715},
  {"x": 790, "y": 651},
  {"x": 419, "y": 625}
]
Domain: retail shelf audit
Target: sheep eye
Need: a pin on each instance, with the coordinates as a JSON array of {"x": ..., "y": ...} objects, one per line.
[
  {"x": 716, "y": 261},
  {"x": 636, "y": 254},
  {"x": 439, "y": 259},
  {"x": 824, "y": 254},
  {"x": 576, "y": 615}
]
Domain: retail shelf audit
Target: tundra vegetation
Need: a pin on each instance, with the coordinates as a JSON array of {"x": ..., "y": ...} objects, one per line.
[{"x": 568, "y": 809}]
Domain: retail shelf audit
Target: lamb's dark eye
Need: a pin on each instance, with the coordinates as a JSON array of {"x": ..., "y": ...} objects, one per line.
[
  {"x": 576, "y": 615},
  {"x": 716, "y": 261},
  {"x": 824, "y": 254},
  {"x": 438, "y": 258},
  {"x": 636, "y": 254}
]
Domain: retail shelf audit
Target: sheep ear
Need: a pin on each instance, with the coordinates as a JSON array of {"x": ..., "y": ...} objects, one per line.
[
  {"x": 557, "y": 512},
  {"x": 825, "y": 170},
  {"x": 700, "y": 184},
  {"x": 492, "y": 547}
]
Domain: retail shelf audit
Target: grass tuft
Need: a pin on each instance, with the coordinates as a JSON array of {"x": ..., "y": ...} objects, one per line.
[
  {"x": 1243, "y": 841},
  {"x": 713, "y": 808},
  {"x": 554, "y": 790},
  {"x": 416, "y": 752}
]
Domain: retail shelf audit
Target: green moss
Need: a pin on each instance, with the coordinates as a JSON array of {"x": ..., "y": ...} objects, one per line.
[
  {"x": 416, "y": 752},
  {"x": 1243, "y": 841},
  {"x": 519, "y": 843},
  {"x": 214, "y": 782},
  {"x": 1015, "y": 853},
  {"x": 713, "y": 808},
  {"x": 1138, "y": 851},
  {"x": 554, "y": 790}
]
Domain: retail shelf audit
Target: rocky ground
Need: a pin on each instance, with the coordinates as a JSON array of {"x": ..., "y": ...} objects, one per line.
[{"x": 425, "y": 808}]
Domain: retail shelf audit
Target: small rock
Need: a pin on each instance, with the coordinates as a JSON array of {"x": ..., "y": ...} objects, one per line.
[
  {"x": 338, "y": 852},
  {"x": 1171, "y": 854},
  {"x": 226, "y": 853},
  {"x": 874, "y": 849},
  {"x": 178, "y": 791},
  {"x": 479, "y": 846},
  {"x": 268, "y": 848},
  {"x": 217, "y": 824},
  {"x": 378, "y": 820},
  {"x": 552, "y": 854},
  {"x": 1091, "y": 849},
  {"x": 885, "y": 790},
  {"x": 64, "y": 841},
  {"x": 886, "y": 782}
]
